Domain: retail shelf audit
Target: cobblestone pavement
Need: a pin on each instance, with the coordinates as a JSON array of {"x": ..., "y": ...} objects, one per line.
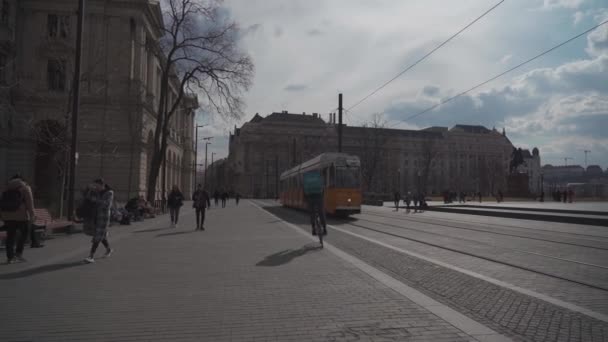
[
  {"x": 579, "y": 263},
  {"x": 596, "y": 300},
  {"x": 507, "y": 311},
  {"x": 248, "y": 277}
]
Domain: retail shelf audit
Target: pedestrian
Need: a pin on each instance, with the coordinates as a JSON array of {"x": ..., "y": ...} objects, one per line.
[
  {"x": 397, "y": 199},
  {"x": 565, "y": 196},
  {"x": 408, "y": 201},
  {"x": 175, "y": 202},
  {"x": 416, "y": 197},
  {"x": 542, "y": 196},
  {"x": 87, "y": 210},
  {"x": 237, "y": 198},
  {"x": 224, "y": 199},
  {"x": 570, "y": 195},
  {"x": 479, "y": 195},
  {"x": 17, "y": 212},
  {"x": 103, "y": 203},
  {"x": 216, "y": 197},
  {"x": 200, "y": 203}
]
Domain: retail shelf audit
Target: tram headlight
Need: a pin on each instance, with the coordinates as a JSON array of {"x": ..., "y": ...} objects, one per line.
[{"x": 349, "y": 200}]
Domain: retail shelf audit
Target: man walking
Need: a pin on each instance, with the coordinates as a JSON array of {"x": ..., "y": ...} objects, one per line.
[
  {"x": 200, "y": 201},
  {"x": 397, "y": 199},
  {"x": 17, "y": 212},
  {"x": 224, "y": 199}
]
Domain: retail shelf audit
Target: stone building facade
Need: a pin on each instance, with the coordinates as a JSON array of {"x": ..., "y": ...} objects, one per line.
[
  {"x": 120, "y": 88},
  {"x": 433, "y": 160}
]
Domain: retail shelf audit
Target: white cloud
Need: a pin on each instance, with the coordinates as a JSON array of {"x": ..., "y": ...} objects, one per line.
[
  {"x": 559, "y": 97},
  {"x": 552, "y": 4},
  {"x": 578, "y": 17}
]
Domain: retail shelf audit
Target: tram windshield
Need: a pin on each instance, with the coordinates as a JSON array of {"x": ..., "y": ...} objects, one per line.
[{"x": 347, "y": 177}]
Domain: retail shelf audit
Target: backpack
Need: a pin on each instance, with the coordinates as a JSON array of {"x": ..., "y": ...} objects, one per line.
[
  {"x": 11, "y": 200},
  {"x": 313, "y": 183}
]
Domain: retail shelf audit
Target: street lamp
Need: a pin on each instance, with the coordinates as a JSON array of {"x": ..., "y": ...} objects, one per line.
[
  {"x": 206, "y": 146},
  {"x": 212, "y": 167},
  {"x": 196, "y": 151}
]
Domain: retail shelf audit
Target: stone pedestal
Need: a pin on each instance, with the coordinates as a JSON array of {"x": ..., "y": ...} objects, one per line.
[{"x": 517, "y": 185}]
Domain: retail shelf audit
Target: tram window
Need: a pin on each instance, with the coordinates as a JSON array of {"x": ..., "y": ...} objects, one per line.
[
  {"x": 332, "y": 176},
  {"x": 347, "y": 177}
]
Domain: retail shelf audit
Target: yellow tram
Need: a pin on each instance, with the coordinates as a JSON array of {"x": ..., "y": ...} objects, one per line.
[{"x": 342, "y": 179}]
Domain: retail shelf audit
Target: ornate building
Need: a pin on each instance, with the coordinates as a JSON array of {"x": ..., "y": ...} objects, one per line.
[
  {"x": 120, "y": 86},
  {"x": 462, "y": 158}
]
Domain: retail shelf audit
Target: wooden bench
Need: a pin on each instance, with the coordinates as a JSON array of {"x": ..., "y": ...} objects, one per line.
[{"x": 44, "y": 219}]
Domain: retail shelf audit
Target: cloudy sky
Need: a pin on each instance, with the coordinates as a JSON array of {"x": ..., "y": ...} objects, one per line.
[{"x": 307, "y": 51}]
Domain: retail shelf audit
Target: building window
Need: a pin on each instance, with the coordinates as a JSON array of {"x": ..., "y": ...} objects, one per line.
[
  {"x": 3, "y": 66},
  {"x": 56, "y": 73},
  {"x": 58, "y": 26},
  {"x": 4, "y": 13}
]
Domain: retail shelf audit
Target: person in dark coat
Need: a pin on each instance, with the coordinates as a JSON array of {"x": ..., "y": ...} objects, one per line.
[
  {"x": 201, "y": 202},
  {"x": 397, "y": 199},
  {"x": 237, "y": 198},
  {"x": 216, "y": 197},
  {"x": 175, "y": 202},
  {"x": 565, "y": 196},
  {"x": 224, "y": 199},
  {"x": 103, "y": 202},
  {"x": 17, "y": 215}
]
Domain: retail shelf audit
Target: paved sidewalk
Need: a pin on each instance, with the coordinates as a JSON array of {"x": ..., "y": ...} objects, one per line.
[{"x": 248, "y": 277}]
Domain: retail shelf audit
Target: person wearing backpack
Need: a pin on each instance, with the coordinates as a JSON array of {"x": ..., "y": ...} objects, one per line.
[
  {"x": 313, "y": 194},
  {"x": 17, "y": 212}
]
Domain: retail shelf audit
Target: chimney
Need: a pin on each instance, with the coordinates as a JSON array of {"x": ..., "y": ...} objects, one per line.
[
  {"x": 303, "y": 113},
  {"x": 314, "y": 115},
  {"x": 284, "y": 112}
]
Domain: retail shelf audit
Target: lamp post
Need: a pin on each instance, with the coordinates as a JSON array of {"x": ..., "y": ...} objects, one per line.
[
  {"x": 418, "y": 181},
  {"x": 399, "y": 179},
  {"x": 213, "y": 168},
  {"x": 196, "y": 152},
  {"x": 542, "y": 187},
  {"x": 206, "y": 148}
]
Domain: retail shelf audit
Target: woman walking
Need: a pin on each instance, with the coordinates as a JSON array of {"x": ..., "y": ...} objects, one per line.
[
  {"x": 175, "y": 202},
  {"x": 102, "y": 196}
]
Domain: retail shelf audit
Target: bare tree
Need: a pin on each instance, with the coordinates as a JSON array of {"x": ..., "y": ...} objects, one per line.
[
  {"x": 199, "y": 54},
  {"x": 371, "y": 151}
]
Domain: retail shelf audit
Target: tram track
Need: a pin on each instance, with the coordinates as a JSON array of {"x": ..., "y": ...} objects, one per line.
[
  {"x": 505, "y": 226},
  {"x": 489, "y": 258},
  {"x": 484, "y": 243},
  {"x": 408, "y": 219}
]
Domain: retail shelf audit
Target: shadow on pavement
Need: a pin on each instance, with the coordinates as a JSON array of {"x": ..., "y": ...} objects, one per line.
[
  {"x": 40, "y": 270},
  {"x": 285, "y": 256},
  {"x": 150, "y": 230},
  {"x": 176, "y": 233}
]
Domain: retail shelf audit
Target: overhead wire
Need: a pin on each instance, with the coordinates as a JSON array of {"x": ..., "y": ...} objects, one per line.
[
  {"x": 425, "y": 56},
  {"x": 504, "y": 72}
]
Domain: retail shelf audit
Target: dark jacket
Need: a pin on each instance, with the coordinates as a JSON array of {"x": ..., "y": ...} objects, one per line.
[
  {"x": 26, "y": 209},
  {"x": 176, "y": 199},
  {"x": 200, "y": 199}
]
